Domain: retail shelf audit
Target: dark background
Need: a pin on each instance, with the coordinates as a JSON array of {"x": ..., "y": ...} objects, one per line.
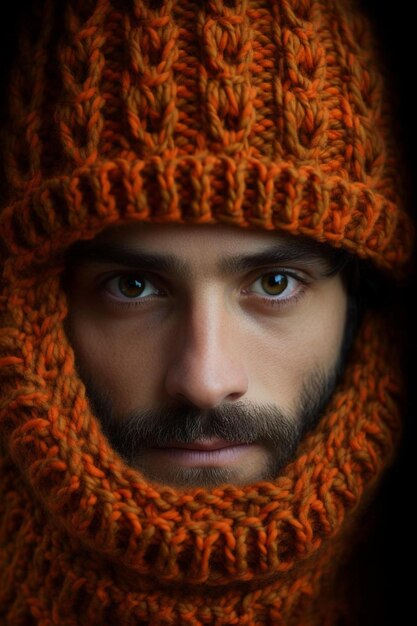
[{"x": 385, "y": 563}]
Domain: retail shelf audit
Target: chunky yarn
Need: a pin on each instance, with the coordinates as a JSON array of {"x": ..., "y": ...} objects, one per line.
[
  {"x": 248, "y": 112},
  {"x": 254, "y": 113}
]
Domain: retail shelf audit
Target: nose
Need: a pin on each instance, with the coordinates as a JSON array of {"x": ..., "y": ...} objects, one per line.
[{"x": 206, "y": 368}]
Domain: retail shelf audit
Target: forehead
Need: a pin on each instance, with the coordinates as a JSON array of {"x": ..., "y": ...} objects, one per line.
[
  {"x": 203, "y": 242},
  {"x": 197, "y": 250}
]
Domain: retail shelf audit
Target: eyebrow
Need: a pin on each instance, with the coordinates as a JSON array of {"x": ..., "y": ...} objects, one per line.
[{"x": 284, "y": 252}]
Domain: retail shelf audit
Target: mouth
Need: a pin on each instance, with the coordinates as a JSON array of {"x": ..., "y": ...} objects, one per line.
[
  {"x": 204, "y": 444},
  {"x": 207, "y": 452}
]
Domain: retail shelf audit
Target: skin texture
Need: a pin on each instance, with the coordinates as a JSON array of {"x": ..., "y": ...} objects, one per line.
[{"x": 203, "y": 356}]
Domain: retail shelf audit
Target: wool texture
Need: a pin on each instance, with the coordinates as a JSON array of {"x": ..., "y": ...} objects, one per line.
[{"x": 259, "y": 114}]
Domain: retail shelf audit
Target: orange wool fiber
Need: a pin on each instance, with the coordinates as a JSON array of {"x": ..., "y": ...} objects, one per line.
[
  {"x": 255, "y": 113},
  {"x": 261, "y": 114}
]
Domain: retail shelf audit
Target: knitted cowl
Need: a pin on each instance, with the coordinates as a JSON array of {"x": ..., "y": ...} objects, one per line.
[{"x": 254, "y": 113}]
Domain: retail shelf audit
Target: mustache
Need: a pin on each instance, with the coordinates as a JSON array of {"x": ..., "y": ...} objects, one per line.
[
  {"x": 266, "y": 424},
  {"x": 240, "y": 422}
]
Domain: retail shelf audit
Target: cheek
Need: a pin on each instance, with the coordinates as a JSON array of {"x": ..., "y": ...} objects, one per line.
[
  {"x": 124, "y": 360},
  {"x": 282, "y": 354}
]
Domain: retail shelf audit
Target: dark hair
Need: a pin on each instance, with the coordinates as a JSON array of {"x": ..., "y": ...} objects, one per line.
[
  {"x": 362, "y": 280},
  {"x": 367, "y": 284},
  {"x": 366, "y": 288}
]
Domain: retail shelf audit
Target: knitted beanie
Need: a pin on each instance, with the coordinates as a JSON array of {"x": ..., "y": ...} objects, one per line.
[{"x": 261, "y": 114}]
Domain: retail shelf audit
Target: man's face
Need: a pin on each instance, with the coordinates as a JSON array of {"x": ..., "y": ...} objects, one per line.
[{"x": 206, "y": 351}]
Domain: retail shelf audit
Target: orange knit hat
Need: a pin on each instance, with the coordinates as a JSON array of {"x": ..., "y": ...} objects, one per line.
[
  {"x": 249, "y": 112},
  {"x": 259, "y": 113}
]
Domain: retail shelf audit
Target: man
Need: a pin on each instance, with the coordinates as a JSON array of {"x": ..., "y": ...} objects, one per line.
[{"x": 197, "y": 407}]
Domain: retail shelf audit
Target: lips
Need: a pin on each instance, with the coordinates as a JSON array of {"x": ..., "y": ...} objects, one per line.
[
  {"x": 205, "y": 445},
  {"x": 202, "y": 453}
]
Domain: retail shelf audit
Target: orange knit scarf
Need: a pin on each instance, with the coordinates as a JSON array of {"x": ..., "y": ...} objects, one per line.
[{"x": 84, "y": 539}]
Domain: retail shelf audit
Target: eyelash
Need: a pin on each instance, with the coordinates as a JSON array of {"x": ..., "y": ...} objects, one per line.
[
  {"x": 141, "y": 301},
  {"x": 271, "y": 300},
  {"x": 277, "y": 302}
]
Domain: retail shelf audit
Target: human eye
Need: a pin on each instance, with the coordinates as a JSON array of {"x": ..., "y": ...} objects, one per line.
[
  {"x": 278, "y": 287},
  {"x": 129, "y": 288}
]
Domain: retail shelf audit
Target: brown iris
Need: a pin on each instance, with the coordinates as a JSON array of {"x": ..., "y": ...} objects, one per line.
[
  {"x": 274, "y": 284},
  {"x": 131, "y": 286}
]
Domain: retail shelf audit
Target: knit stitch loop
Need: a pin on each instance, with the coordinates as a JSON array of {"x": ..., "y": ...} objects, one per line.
[
  {"x": 247, "y": 193},
  {"x": 269, "y": 115}
]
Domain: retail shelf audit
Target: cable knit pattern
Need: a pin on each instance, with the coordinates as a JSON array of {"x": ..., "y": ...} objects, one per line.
[{"x": 248, "y": 112}]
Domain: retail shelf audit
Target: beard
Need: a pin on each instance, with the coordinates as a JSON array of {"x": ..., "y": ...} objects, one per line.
[{"x": 276, "y": 430}]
